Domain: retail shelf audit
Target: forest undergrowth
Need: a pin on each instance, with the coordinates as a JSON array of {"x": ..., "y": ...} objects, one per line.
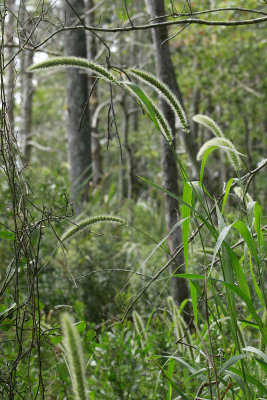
[{"x": 64, "y": 273}]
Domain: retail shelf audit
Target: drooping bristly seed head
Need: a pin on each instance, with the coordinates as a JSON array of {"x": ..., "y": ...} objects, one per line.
[
  {"x": 225, "y": 144},
  {"x": 90, "y": 221},
  {"x": 73, "y": 62},
  {"x": 164, "y": 92},
  {"x": 208, "y": 123}
]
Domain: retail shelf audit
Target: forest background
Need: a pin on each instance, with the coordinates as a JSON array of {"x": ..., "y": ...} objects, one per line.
[{"x": 145, "y": 222}]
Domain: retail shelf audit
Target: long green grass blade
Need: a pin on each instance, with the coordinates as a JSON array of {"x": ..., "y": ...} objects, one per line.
[
  {"x": 257, "y": 223},
  {"x": 183, "y": 396},
  {"x": 203, "y": 162},
  {"x": 170, "y": 373},
  {"x": 227, "y": 190},
  {"x": 144, "y": 99},
  {"x": 187, "y": 198},
  {"x": 244, "y": 232},
  {"x": 251, "y": 379},
  {"x": 233, "y": 360},
  {"x": 256, "y": 351},
  {"x": 239, "y": 380}
]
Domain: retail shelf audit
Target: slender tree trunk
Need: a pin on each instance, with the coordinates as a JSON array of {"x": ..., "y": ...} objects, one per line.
[
  {"x": 27, "y": 88},
  {"x": 127, "y": 147},
  {"x": 10, "y": 71},
  {"x": 165, "y": 72},
  {"x": 78, "y": 125},
  {"x": 97, "y": 164}
]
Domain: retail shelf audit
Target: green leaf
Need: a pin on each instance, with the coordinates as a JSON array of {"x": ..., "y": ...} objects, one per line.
[
  {"x": 220, "y": 240},
  {"x": 56, "y": 339},
  {"x": 194, "y": 299},
  {"x": 90, "y": 335},
  {"x": 257, "y": 223},
  {"x": 190, "y": 276},
  {"x": 190, "y": 368},
  {"x": 246, "y": 322},
  {"x": 170, "y": 373},
  {"x": 2, "y": 308},
  {"x": 5, "y": 310},
  {"x": 144, "y": 99},
  {"x": 231, "y": 362},
  {"x": 227, "y": 190},
  {"x": 187, "y": 198},
  {"x": 7, "y": 235},
  {"x": 262, "y": 364},
  {"x": 250, "y": 379},
  {"x": 256, "y": 351},
  {"x": 80, "y": 326},
  {"x": 244, "y": 232},
  {"x": 183, "y": 396},
  {"x": 7, "y": 324},
  {"x": 203, "y": 162},
  {"x": 40, "y": 305},
  {"x": 239, "y": 380}
]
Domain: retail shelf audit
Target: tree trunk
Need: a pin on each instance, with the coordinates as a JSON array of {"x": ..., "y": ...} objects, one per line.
[
  {"x": 27, "y": 88},
  {"x": 78, "y": 125},
  {"x": 97, "y": 165},
  {"x": 10, "y": 71},
  {"x": 165, "y": 72}
]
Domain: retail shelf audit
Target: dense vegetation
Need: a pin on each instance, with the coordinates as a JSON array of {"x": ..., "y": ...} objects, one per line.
[{"x": 88, "y": 262}]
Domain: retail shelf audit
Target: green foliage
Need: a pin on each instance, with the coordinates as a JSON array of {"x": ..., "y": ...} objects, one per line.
[{"x": 97, "y": 274}]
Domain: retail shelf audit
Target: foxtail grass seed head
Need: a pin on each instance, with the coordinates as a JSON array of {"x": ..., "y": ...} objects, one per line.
[
  {"x": 73, "y": 62},
  {"x": 226, "y": 145},
  {"x": 138, "y": 323},
  {"x": 164, "y": 126},
  {"x": 90, "y": 221},
  {"x": 164, "y": 92},
  {"x": 208, "y": 123},
  {"x": 74, "y": 357}
]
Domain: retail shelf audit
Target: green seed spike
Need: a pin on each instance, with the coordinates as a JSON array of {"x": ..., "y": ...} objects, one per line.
[
  {"x": 165, "y": 128},
  {"x": 74, "y": 62},
  {"x": 139, "y": 324},
  {"x": 166, "y": 93},
  {"x": 74, "y": 357},
  {"x": 89, "y": 221},
  {"x": 226, "y": 145},
  {"x": 208, "y": 123}
]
